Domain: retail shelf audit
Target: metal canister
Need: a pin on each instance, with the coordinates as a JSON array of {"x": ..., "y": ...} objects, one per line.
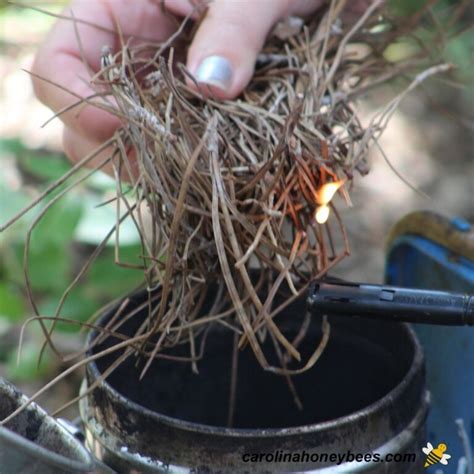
[
  {"x": 365, "y": 396},
  {"x": 34, "y": 443}
]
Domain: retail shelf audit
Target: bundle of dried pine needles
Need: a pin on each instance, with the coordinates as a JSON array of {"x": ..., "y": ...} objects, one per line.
[{"x": 234, "y": 186}]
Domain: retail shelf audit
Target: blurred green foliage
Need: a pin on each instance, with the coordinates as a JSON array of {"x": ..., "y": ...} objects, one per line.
[
  {"x": 57, "y": 250},
  {"x": 406, "y": 7},
  {"x": 14, "y": 17},
  {"x": 457, "y": 37}
]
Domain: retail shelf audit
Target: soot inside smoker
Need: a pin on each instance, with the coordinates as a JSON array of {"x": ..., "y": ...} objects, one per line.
[{"x": 363, "y": 361}]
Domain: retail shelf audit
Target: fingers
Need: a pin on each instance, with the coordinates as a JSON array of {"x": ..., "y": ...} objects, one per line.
[
  {"x": 224, "y": 51},
  {"x": 77, "y": 148},
  {"x": 70, "y": 54},
  {"x": 222, "y": 56},
  {"x": 225, "y": 48},
  {"x": 86, "y": 119},
  {"x": 59, "y": 61}
]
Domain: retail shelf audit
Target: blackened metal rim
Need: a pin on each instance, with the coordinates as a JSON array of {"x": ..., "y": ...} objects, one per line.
[
  {"x": 384, "y": 402},
  {"x": 48, "y": 457}
]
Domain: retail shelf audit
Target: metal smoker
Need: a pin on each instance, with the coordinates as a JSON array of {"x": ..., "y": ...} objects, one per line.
[{"x": 430, "y": 280}]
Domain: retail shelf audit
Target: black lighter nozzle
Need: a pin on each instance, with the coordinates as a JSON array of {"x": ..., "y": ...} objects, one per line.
[{"x": 390, "y": 303}]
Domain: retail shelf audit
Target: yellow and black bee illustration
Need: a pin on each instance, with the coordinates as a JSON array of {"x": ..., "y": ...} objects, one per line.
[{"x": 435, "y": 455}]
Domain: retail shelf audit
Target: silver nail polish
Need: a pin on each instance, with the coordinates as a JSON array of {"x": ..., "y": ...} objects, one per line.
[{"x": 215, "y": 71}]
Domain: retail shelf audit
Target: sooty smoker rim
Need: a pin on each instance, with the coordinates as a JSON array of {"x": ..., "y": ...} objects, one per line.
[
  {"x": 81, "y": 462},
  {"x": 378, "y": 406}
]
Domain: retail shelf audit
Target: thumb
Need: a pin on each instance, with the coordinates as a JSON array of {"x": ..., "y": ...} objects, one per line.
[{"x": 225, "y": 47}]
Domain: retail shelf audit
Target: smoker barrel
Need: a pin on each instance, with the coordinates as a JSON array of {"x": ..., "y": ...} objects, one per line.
[
  {"x": 34, "y": 443},
  {"x": 365, "y": 395}
]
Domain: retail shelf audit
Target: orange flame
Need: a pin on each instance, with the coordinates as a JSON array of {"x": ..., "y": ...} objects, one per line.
[
  {"x": 323, "y": 197},
  {"x": 322, "y": 214},
  {"x": 327, "y": 191}
]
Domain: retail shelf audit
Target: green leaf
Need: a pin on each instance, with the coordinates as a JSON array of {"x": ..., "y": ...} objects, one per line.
[
  {"x": 12, "y": 146},
  {"x": 50, "y": 258},
  {"x": 459, "y": 51},
  {"x": 49, "y": 267},
  {"x": 79, "y": 306},
  {"x": 28, "y": 368},
  {"x": 111, "y": 280},
  {"x": 49, "y": 167},
  {"x": 97, "y": 221},
  {"x": 59, "y": 223},
  {"x": 12, "y": 201},
  {"x": 12, "y": 305},
  {"x": 42, "y": 164}
]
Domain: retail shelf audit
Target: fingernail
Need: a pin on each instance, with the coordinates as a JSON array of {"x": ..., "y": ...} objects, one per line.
[{"x": 215, "y": 71}]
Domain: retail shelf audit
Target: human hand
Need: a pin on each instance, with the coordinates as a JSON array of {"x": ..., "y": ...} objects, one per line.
[{"x": 222, "y": 54}]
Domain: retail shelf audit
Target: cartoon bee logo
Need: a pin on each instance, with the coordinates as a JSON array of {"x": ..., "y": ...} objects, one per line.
[{"x": 435, "y": 455}]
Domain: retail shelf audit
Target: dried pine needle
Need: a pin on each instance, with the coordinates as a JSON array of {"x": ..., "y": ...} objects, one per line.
[{"x": 247, "y": 184}]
